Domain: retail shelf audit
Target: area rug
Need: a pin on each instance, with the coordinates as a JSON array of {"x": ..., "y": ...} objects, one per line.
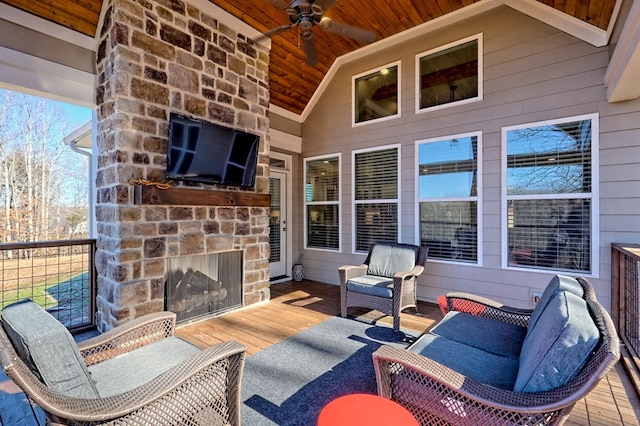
[{"x": 290, "y": 382}]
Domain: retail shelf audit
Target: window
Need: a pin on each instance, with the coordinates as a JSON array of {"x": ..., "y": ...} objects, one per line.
[
  {"x": 549, "y": 194},
  {"x": 376, "y": 94},
  {"x": 448, "y": 193},
  {"x": 449, "y": 75},
  {"x": 322, "y": 202},
  {"x": 376, "y": 187}
]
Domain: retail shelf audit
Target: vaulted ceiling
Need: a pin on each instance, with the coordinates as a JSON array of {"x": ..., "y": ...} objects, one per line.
[{"x": 292, "y": 81}]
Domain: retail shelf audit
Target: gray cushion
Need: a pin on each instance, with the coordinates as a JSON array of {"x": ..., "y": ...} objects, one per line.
[
  {"x": 558, "y": 283},
  {"x": 48, "y": 348},
  {"x": 472, "y": 362},
  {"x": 496, "y": 337},
  {"x": 558, "y": 347},
  {"x": 386, "y": 259},
  {"x": 372, "y": 285},
  {"x": 132, "y": 369}
]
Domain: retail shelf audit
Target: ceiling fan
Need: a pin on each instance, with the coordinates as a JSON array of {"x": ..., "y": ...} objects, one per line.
[{"x": 306, "y": 14}]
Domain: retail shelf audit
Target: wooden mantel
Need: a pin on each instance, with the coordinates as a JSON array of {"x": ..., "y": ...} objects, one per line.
[{"x": 145, "y": 194}]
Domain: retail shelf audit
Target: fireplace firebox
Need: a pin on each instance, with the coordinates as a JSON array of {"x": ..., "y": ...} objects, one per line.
[{"x": 200, "y": 285}]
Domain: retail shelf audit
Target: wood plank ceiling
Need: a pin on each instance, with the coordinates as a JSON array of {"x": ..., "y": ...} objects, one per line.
[{"x": 292, "y": 81}]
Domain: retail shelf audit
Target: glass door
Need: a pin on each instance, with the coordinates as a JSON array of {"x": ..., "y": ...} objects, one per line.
[{"x": 278, "y": 267}]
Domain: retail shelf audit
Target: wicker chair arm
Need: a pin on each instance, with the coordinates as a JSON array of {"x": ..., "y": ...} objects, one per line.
[
  {"x": 224, "y": 361},
  {"x": 419, "y": 382},
  {"x": 348, "y": 272},
  {"x": 127, "y": 337},
  {"x": 481, "y": 306},
  {"x": 417, "y": 270}
]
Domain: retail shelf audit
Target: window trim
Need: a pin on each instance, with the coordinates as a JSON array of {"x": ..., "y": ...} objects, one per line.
[
  {"x": 338, "y": 202},
  {"x": 478, "y": 197},
  {"x": 398, "y": 147},
  {"x": 594, "y": 194},
  {"x": 353, "y": 95},
  {"x": 478, "y": 98}
]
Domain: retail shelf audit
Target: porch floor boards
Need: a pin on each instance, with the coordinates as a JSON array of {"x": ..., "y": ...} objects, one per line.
[{"x": 295, "y": 306}]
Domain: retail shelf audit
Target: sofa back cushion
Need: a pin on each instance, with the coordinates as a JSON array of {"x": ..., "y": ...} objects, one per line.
[
  {"x": 558, "y": 283},
  {"x": 47, "y": 347},
  {"x": 560, "y": 344},
  {"x": 386, "y": 259}
]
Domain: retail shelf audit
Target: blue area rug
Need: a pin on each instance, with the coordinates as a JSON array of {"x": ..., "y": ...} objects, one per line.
[{"x": 290, "y": 382}]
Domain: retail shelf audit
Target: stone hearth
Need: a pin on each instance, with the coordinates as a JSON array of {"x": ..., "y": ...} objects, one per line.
[{"x": 157, "y": 57}]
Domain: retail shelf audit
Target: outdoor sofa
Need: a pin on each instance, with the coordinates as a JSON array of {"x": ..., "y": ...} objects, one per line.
[
  {"x": 135, "y": 374},
  {"x": 490, "y": 364}
]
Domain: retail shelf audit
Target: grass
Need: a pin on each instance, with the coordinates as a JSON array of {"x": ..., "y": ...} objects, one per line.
[{"x": 33, "y": 278}]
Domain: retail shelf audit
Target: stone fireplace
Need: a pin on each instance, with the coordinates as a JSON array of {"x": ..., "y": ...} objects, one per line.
[{"x": 156, "y": 57}]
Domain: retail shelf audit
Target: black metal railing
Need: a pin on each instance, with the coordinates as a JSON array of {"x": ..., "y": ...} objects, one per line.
[
  {"x": 59, "y": 275},
  {"x": 625, "y": 303}
]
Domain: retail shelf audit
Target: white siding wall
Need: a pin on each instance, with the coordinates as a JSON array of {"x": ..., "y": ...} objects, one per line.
[{"x": 532, "y": 72}]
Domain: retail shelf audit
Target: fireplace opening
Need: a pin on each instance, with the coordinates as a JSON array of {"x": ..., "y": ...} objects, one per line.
[{"x": 200, "y": 285}]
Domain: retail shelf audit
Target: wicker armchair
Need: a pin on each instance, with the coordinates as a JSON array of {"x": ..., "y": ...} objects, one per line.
[
  {"x": 193, "y": 387},
  {"x": 385, "y": 282},
  {"x": 438, "y": 395}
]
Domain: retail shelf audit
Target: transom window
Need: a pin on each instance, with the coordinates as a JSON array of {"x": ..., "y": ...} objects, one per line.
[
  {"x": 376, "y": 189},
  {"x": 448, "y": 193},
  {"x": 322, "y": 202},
  {"x": 450, "y": 74},
  {"x": 376, "y": 94},
  {"x": 549, "y": 194}
]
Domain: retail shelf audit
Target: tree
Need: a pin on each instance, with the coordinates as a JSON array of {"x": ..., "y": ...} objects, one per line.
[{"x": 40, "y": 177}]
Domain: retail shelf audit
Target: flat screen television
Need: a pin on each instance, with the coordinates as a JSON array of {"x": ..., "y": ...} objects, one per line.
[{"x": 205, "y": 152}]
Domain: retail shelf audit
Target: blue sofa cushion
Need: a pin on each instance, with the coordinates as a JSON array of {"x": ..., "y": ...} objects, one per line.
[
  {"x": 474, "y": 363},
  {"x": 372, "y": 285},
  {"x": 558, "y": 284},
  {"x": 386, "y": 259},
  {"x": 555, "y": 350},
  {"x": 47, "y": 347},
  {"x": 497, "y": 337},
  {"x": 135, "y": 368}
]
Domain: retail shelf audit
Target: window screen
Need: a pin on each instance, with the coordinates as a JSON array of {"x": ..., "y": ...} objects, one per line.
[
  {"x": 448, "y": 185},
  {"x": 376, "y": 191},
  {"x": 549, "y": 195},
  {"x": 322, "y": 203}
]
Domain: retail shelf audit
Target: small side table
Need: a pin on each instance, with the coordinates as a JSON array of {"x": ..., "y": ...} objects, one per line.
[{"x": 365, "y": 410}]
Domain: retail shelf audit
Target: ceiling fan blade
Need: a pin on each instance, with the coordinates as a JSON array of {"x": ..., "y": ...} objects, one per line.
[
  {"x": 309, "y": 44},
  {"x": 273, "y": 32},
  {"x": 325, "y": 4},
  {"x": 345, "y": 30}
]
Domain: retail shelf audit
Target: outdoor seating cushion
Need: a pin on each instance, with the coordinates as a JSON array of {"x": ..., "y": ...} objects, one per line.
[
  {"x": 47, "y": 347},
  {"x": 558, "y": 346},
  {"x": 497, "y": 337},
  {"x": 558, "y": 284},
  {"x": 386, "y": 259},
  {"x": 372, "y": 285},
  {"x": 132, "y": 369},
  {"x": 476, "y": 364}
]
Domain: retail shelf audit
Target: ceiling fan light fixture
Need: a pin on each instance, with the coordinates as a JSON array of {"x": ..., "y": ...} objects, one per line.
[{"x": 325, "y": 23}]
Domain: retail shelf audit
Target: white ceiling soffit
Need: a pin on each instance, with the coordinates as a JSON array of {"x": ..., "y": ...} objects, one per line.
[
  {"x": 622, "y": 78},
  {"x": 17, "y": 16}
]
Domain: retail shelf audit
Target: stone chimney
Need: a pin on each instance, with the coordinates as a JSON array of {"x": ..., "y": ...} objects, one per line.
[{"x": 157, "y": 57}]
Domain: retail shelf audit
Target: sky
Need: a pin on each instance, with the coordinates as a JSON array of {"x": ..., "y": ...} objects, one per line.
[{"x": 76, "y": 114}]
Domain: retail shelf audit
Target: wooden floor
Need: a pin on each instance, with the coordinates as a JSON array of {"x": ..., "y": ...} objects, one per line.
[{"x": 295, "y": 306}]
